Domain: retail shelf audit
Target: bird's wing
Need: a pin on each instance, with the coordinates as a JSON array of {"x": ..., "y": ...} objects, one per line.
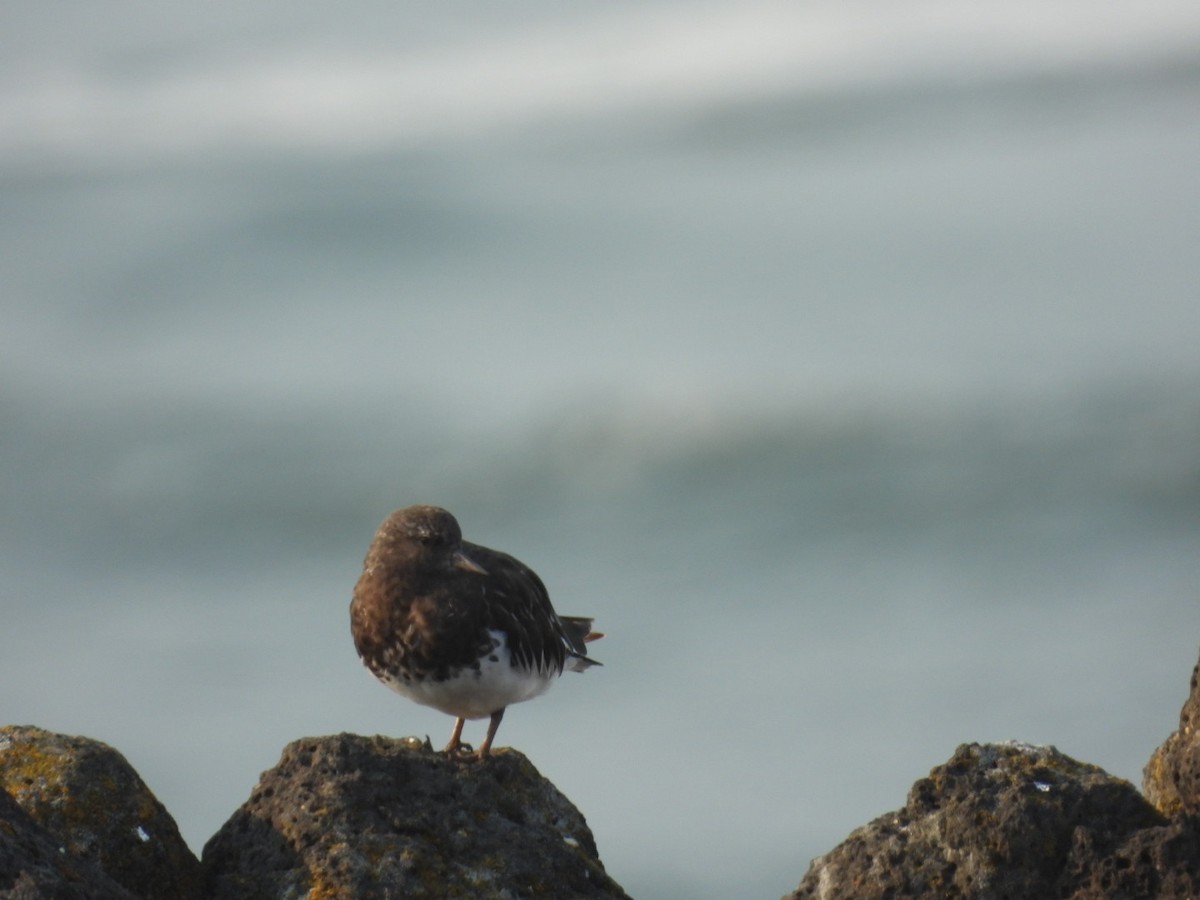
[{"x": 537, "y": 637}]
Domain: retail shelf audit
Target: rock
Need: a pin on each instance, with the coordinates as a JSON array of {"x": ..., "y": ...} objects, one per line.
[
  {"x": 369, "y": 817},
  {"x": 94, "y": 807},
  {"x": 33, "y": 868},
  {"x": 1161, "y": 862},
  {"x": 1013, "y": 821},
  {"x": 1171, "y": 779}
]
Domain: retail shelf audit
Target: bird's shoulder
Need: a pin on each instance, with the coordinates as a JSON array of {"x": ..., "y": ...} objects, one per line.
[
  {"x": 508, "y": 577},
  {"x": 518, "y": 604}
]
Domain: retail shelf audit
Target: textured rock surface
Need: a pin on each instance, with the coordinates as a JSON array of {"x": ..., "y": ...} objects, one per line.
[
  {"x": 93, "y": 805},
  {"x": 1171, "y": 778},
  {"x": 32, "y": 868},
  {"x": 350, "y": 816},
  {"x": 1154, "y": 862},
  {"x": 1013, "y": 821}
]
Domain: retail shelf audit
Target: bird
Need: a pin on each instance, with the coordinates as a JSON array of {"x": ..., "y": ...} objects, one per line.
[{"x": 456, "y": 626}]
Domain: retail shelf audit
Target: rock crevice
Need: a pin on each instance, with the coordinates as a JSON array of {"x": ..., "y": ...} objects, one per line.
[
  {"x": 347, "y": 816},
  {"x": 338, "y": 817}
]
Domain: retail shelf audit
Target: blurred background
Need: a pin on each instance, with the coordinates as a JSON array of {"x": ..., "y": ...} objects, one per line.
[{"x": 839, "y": 358}]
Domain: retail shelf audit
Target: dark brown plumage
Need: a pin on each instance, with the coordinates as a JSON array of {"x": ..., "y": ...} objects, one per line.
[{"x": 457, "y": 626}]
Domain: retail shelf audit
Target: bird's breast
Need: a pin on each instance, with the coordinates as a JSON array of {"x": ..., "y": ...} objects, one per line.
[{"x": 477, "y": 690}]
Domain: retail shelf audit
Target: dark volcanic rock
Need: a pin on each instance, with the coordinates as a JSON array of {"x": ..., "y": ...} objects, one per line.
[
  {"x": 1161, "y": 862},
  {"x": 358, "y": 817},
  {"x": 95, "y": 808},
  {"x": 1013, "y": 821},
  {"x": 33, "y": 868},
  {"x": 1171, "y": 778}
]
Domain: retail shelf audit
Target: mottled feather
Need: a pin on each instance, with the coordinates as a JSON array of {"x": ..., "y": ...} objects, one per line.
[{"x": 437, "y": 619}]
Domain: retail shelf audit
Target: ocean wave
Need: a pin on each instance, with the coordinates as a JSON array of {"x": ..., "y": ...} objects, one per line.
[
  {"x": 663, "y": 59},
  {"x": 177, "y": 485}
]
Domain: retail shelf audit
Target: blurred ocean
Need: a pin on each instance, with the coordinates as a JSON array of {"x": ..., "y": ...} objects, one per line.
[{"x": 840, "y": 359}]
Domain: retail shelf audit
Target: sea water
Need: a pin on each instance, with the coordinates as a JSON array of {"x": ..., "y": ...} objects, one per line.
[{"x": 841, "y": 361}]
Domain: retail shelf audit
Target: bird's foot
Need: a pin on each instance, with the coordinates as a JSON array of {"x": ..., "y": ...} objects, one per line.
[
  {"x": 455, "y": 749},
  {"x": 463, "y": 752}
]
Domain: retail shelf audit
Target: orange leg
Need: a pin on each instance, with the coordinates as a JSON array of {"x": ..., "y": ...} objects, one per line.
[
  {"x": 486, "y": 747},
  {"x": 455, "y": 738}
]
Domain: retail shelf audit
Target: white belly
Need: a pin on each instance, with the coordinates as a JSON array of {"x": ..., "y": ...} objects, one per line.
[{"x": 476, "y": 694}]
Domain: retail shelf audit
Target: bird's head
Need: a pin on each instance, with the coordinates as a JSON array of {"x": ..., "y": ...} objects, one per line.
[{"x": 427, "y": 537}]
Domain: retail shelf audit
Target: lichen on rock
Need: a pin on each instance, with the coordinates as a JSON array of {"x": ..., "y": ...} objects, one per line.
[
  {"x": 369, "y": 817},
  {"x": 91, "y": 803},
  {"x": 1171, "y": 779}
]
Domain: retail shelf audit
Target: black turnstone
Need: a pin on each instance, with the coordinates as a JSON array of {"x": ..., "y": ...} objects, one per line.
[{"x": 456, "y": 626}]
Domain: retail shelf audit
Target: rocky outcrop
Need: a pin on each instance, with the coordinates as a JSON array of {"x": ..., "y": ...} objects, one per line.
[
  {"x": 358, "y": 817},
  {"x": 1014, "y": 821},
  {"x": 33, "y": 868},
  {"x": 106, "y": 829},
  {"x": 996, "y": 820},
  {"x": 342, "y": 816},
  {"x": 1171, "y": 779},
  {"x": 370, "y": 817}
]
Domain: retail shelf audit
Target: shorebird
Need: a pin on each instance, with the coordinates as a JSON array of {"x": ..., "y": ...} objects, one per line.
[{"x": 456, "y": 626}]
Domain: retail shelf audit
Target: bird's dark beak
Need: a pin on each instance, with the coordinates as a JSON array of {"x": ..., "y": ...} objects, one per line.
[{"x": 462, "y": 561}]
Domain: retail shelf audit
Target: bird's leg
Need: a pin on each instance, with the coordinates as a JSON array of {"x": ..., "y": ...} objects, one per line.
[
  {"x": 455, "y": 742},
  {"x": 486, "y": 747}
]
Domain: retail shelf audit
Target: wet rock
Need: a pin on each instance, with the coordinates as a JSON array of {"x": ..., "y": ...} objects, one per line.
[
  {"x": 97, "y": 812},
  {"x": 1171, "y": 778},
  {"x": 369, "y": 817},
  {"x": 32, "y": 867},
  {"x": 1013, "y": 821}
]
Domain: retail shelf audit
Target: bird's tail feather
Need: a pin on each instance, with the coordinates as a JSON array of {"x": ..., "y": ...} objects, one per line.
[
  {"x": 580, "y": 663},
  {"x": 579, "y": 632}
]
